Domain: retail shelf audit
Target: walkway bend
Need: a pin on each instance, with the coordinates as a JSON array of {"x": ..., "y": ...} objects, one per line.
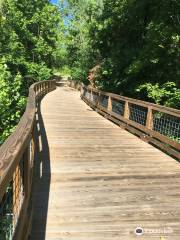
[{"x": 96, "y": 181}]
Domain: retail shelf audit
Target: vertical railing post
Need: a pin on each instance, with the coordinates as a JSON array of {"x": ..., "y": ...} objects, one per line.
[
  {"x": 109, "y": 104},
  {"x": 81, "y": 90},
  {"x": 91, "y": 96},
  {"x": 126, "y": 110},
  {"x": 32, "y": 154},
  {"x": 37, "y": 89},
  {"x": 99, "y": 100},
  {"x": 16, "y": 194},
  {"x": 45, "y": 87},
  {"x": 149, "y": 119},
  {"x": 27, "y": 172}
]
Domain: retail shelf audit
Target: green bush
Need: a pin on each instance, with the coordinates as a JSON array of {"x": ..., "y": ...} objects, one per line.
[{"x": 12, "y": 104}]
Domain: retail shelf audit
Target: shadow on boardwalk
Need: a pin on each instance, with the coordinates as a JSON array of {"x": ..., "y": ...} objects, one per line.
[{"x": 41, "y": 179}]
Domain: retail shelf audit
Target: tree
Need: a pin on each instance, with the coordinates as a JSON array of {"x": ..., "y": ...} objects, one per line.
[
  {"x": 29, "y": 36},
  {"x": 135, "y": 42}
]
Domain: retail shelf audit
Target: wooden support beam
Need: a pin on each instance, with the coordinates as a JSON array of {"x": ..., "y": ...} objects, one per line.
[
  {"x": 149, "y": 120},
  {"x": 126, "y": 110},
  {"x": 110, "y": 104}
]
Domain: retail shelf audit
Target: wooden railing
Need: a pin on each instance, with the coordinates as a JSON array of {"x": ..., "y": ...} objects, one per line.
[
  {"x": 16, "y": 170},
  {"x": 153, "y": 123}
]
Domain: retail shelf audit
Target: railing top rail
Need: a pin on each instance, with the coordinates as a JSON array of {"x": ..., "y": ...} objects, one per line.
[
  {"x": 154, "y": 123},
  {"x": 14, "y": 146},
  {"x": 156, "y": 107}
]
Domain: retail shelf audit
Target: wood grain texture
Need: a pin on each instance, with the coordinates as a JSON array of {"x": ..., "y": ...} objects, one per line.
[
  {"x": 16, "y": 148},
  {"x": 96, "y": 181},
  {"x": 161, "y": 141},
  {"x": 15, "y": 145}
]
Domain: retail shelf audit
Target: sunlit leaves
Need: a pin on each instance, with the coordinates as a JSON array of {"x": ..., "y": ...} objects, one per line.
[
  {"x": 135, "y": 42},
  {"x": 29, "y": 37},
  {"x": 11, "y": 102}
]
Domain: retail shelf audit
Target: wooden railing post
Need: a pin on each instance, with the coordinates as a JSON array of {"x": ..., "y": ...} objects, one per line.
[
  {"x": 82, "y": 90},
  {"x": 91, "y": 95},
  {"x": 99, "y": 100},
  {"x": 17, "y": 179},
  {"x": 44, "y": 86},
  {"x": 27, "y": 172},
  {"x": 40, "y": 88},
  {"x": 36, "y": 90},
  {"x": 149, "y": 119},
  {"x": 110, "y": 104},
  {"x": 140, "y": 117},
  {"x": 17, "y": 166},
  {"x": 126, "y": 110}
]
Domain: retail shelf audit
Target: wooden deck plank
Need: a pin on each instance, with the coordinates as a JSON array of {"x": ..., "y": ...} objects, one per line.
[{"x": 96, "y": 181}]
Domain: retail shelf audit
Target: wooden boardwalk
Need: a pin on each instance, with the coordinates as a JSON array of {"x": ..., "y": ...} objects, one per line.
[{"x": 96, "y": 181}]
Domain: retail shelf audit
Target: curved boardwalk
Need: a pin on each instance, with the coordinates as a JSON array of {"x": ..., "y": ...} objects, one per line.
[{"x": 95, "y": 181}]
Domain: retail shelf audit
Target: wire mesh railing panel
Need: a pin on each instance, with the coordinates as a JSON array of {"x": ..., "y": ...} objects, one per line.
[
  {"x": 87, "y": 94},
  {"x": 167, "y": 125},
  {"x": 104, "y": 101},
  {"x": 84, "y": 92},
  {"x": 138, "y": 114},
  {"x": 118, "y": 106},
  {"x": 11, "y": 204},
  {"x": 6, "y": 214},
  {"x": 94, "y": 97}
]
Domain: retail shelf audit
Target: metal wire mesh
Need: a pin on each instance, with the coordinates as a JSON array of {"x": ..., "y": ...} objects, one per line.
[
  {"x": 104, "y": 101},
  {"x": 167, "y": 125},
  {"x": 163, "y": 123},
  {"x": 11, "y": 204},
  {"x": 6, "y": 214},
  {"x": 83, "y": 91},
  {"x": 87, "y": 94},
  {"x": 118, "y": 106},
  {"x": 138, "y": 114},
  {"x": 94, "y": 97}
]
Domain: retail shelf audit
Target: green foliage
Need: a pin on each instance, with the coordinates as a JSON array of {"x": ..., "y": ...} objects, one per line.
[
  {"x": 28, "y": 52},
  {"x": 167, "y": 93},
  {"x": 11, "y": 102},
  {"x": 80, "y": 54},
  {"x": 137, "y": 44}
]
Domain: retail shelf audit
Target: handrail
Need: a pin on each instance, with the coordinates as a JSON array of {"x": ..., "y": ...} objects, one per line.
[
  {"x": 16, "y": 164},
  {"x": 156, "y": 124}
]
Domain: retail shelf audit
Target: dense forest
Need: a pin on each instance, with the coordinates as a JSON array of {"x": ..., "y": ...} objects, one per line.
[
  {"x": 134, "y": 44},
  {"x": 28, "y": 53}
]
